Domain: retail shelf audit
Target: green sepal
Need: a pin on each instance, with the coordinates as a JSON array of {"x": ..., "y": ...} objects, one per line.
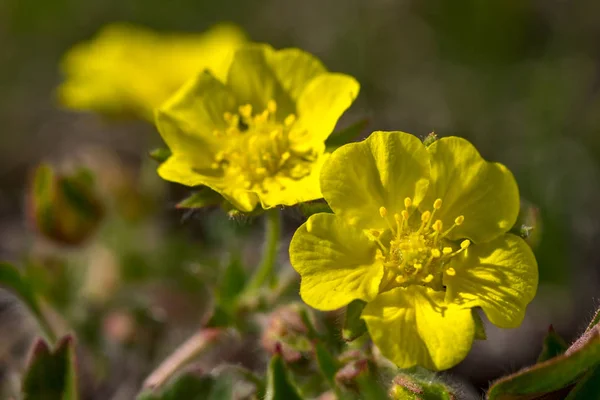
[
  {"x": 51, "y": 374},
  {"x": 346, "y": 135},
  {"x": 553, "y": 375},
  {"x": 314, "y": 207},
  {"x": 354, "y": 326},
  {"x": 588, "y": 387},
  {"x": 327, "y": 364},
  {"x": 192, "y": 385},
  {"x": 416, "y": 387},
  {"x": 279, "y": 385},
  {"x": 160, "y": 155},
  {"x": 479, "y": 327},
  {"x": 205, "y": 197},
  {"x": 553, "y": 346}
]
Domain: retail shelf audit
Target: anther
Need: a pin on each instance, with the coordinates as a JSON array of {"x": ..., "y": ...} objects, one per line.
[
  {"x": 425, "y": 216},
  {"x": 438, "y": 226},
  {"x": 447, "y": 250},
  {"x": 405, "y": 215},
  {"x": 272, "y": 106},
  {"x": 418, "y": 266},
  {"x": 465, "y": 244},
  {"x": 374, "y": 232},
  {"x": 407, "y": 202},
  {"x": 428, "y": 278},
  {"x": 437, "y": 204},
  {"x": 289, "y": 120},
  {"x": 436, "y": 253},
  {"x": 459, "y": 220},
  {"x": 450, "y": 271},
  {"x": 246, "y": 110},
  {"x": 383, "y": 212},
  {"x": 227, "y": 116}
]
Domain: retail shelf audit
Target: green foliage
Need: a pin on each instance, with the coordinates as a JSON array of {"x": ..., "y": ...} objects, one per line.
[
  {"x": 51, "y": 374},
  {"x": 354, "y": 326},
  {"x": 160, "y": 155},
  {"x": 279, "y": 385},
  {"x": 347, "y": 135},
  {"x": 205, "y": 197},
  {"x": 479, "y": 327},
  {"x": 314, "y": 207},
  {"x": 554, "y": 374},
  {"x": 417, "y": 387},
  {"x": 554, "y": 345}
]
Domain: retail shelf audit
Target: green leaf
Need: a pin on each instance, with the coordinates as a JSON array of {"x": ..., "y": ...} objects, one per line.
[
  {"x": 204, "y": 198},
  {"x": 51, "y": 375},
  {"x": 191, "y": 385},
  {"x": 161, "y": 154},
  {"x": 279, "y": 386},
  {"x": 314, "y": 207},
  {"x": 417, "y": 387},
  {"x": 479, "y": 327},
  {"x": 232, "y": 283},
  {"x": 594, "y": 320},
  {"x": 327, "y": 363},
  {"x": 551, "y": 375},
  {"x": 554, "y": 345},
  {"x": 354, "y": 326},
  {"x": 12, "y": 280},
  {"x": 588, "y": 387},
  {"x": 347, "y": 135}
]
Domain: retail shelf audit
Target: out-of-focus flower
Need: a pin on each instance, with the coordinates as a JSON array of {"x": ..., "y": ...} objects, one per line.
[
  {"x": 130, "y": 69},
  {"x": 286, "y": 333},
  {"x": 419, "y": 233},
  {"x": 64, "y": 208},
  {"x": 259, "y": 135}
]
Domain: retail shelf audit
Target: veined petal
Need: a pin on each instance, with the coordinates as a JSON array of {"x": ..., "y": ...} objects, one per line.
[
  {"x": 252, "y": 79},
  {"x": 288, "y": 192},
  {"x": 180, "y": 169},
  {"x": 187, "y": 121},
  {"x": 336, "y": 262},
  {"x": 382, "y": 170},
  {"x": 500, "y": 276},
  {"x": 485, "y": 193},
  {"x": 294, "y": 69},
  {"x": 321, "y": 104},
  {"x": 414, "y": 326}
]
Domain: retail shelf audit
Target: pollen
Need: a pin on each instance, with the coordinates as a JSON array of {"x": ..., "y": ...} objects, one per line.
[
  {"x": 257, "y": 151},
  {"x": 416, "y": 252}
]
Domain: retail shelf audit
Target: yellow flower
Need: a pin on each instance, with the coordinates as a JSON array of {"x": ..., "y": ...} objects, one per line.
[
  {"x": 259, "y": 135},
  {"x": 420, "y": 234},
  {"x": 129, "y": 69}
]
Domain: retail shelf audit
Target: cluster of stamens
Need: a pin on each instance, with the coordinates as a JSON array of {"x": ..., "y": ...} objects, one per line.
[
  {"x": 418, "y": 249},
  {"x": 257, "y": 148}
]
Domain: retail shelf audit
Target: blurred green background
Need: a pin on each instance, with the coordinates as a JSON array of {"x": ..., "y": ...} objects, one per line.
[{"x": 518, "y": 78}]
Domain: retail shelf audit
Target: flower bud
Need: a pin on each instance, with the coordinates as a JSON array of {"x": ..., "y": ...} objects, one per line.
[{"x": 286, "y": 333}]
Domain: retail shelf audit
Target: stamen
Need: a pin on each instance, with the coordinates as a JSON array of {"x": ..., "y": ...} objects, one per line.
[
  {"x": 438, "y": 225},
  {"x": 428, "y": 278},
  {"x": 245, "y": 110},
  {"x": 271, "y": 106},
  {"x": 459, "y": 220},
  {"x": 465, "y": 244},
  {"x": 447, "y": 250},
  {"x": 451, "y": 271},
  {"x": 425, "y": 217},
  {"x": 436, "y": 253},
  {"x": 383, "y": 212},
  {"x": 398, "y": 220},
  {"x": 407, "y": 203},
  {"x": 437, "y": 204},
  {"x": 289, "y": 120}
]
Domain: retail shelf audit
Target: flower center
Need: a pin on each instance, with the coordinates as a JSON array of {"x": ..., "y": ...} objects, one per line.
[
  {"x": 258, "y": 149},
  {"x": 415, "y": 249}
]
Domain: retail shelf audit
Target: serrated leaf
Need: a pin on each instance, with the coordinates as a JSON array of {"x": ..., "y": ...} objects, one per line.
[
  {"x": 161, "y": 154},
  {"x": 354, "y": 326},
  {"x": 554, "y": 345},
  {"x": 314, "y": 207},
  {"x": 347, "y": 135},
  {"x": 203, "y": 198},
  {"x": 551, "y": 375},
  {"x": 279, "y": 386},
  {"x": 12, "y": 280},
  {"x": 51, "y": 375},
  {"x": 479, "y": 326},
  {"x": 594, "y": 320}
]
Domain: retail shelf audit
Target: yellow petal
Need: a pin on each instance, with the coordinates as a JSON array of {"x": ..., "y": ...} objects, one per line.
[
  {"x": 130, "y": 69},
  {"x": 188, "y": 120},
  {"x": 253, "y": 81},
  {"x": 321, "y": 104},
  {"x": 485, "y": 193},
  {"x": 381, "y": 171},
  {"x": 336, "y": 262},
  {"x": 413, "y": 326},
  {"x": 295, "y": 69},
  {"x": 500, "y": 276},
  {"x": 180, "y": 169},
  {"x": 288, "y": 192}
]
